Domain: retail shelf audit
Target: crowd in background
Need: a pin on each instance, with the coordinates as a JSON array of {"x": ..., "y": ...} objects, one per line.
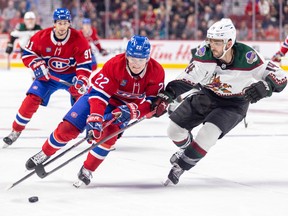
[{"x": 161, "y": 19}]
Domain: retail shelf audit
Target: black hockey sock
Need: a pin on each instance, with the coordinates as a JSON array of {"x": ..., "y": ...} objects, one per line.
[{"x": 192, "y": 154}]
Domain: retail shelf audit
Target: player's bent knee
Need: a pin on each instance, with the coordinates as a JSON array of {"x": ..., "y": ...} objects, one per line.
[
  {"x": 175, "y": 132},
  {"x": 204, "y": 141},
  {"x": 66, "y": 131}
]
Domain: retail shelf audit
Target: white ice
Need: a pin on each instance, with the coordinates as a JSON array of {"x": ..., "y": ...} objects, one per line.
[{"x": 244, "y": 174}]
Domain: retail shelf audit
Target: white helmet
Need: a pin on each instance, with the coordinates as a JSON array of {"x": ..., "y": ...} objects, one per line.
[
  {"x": 223, "y": 30},
  {"x": 29, "y": 15}
]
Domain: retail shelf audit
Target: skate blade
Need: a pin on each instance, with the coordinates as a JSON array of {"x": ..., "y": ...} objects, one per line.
[
  {"x": 167, "y": 182},
  {"x": 5, "y": 146},
  {"x": 78, "y": 184}
]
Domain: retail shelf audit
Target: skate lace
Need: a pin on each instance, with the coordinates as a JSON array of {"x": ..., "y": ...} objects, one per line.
[
  {"x": 86, "y": 173},
  {"x": 177, "y": 170},
  {"x": 14, "y": 135},
  {"x": 39, "y": 158},
  {"x": 179, "y": 153}
]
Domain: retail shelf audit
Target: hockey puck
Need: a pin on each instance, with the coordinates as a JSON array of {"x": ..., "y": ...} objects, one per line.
[{"x": 33, "y": 199}]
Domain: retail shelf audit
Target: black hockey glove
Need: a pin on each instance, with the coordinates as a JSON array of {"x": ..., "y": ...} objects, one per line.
[
  {"x": 257, "y": 91},
  {"x": 161, "y": 103},
  {"x": 9, "y": 48}
]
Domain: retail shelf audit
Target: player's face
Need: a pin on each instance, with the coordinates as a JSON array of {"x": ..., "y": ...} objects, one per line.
[
  {"x": 216, "y": 47},
  {"x": 136, "y": 65},
  {"x": 86, "y": 28},
  {"x": 61, "y": 28},
  {"x": 29, "y": 23}
]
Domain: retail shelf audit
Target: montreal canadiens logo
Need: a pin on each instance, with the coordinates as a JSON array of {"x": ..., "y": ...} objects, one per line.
[
  {"x": 59, "y": 64},
  {"x": 74, "y": 115}
]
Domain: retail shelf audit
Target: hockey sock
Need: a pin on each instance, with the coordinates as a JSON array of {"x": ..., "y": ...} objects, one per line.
[
  {"x": 59, "y": 138},
  {"x": 28, "y": 107},
  {"x": 96, "y": 157},
  {"x": 192, "y": 154},
  {"x": 184, "y": 143}
]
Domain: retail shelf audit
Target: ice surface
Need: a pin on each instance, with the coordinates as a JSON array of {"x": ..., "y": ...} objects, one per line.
[{"x": 244, "y": 174}]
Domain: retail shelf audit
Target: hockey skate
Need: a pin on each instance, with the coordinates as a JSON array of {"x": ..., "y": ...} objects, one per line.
[
  {"x": 37, "y": 159},
  {"x": 175, "y": 157},
  {"x": 11, "y": 138},
  {"x": 84, "y": 176},
  {"x": 174, "y": 175}
]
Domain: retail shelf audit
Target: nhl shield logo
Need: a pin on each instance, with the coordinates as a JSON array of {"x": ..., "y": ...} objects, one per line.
[
  {"x": 251, "y": 57},
  {"x": 123, "y": 83},
  {"x": 201, "y": 51}
]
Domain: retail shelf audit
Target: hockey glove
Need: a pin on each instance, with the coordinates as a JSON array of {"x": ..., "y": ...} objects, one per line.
[
  {"x": 257, "y": 91},
  {"x": 40, "y": 70},
  {"x": 104, "y": 52},
  {"x": 94, "y": 127},
  {"x": 123, "y": 114},
  {"x": 277, "y": 56},
  {"x": 80, "y": 86},
  {"x": 9, "y": 48},
  {"x": 161, "y": 103}
]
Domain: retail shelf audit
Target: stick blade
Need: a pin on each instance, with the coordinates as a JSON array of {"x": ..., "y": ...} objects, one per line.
[{"x": 40, "y": 171}]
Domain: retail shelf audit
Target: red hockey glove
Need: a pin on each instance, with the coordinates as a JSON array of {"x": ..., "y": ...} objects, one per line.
[
  {"x": 124, "y": 114},
  {"x": 40, "y": 70},
  {"x": 94, "y": 127},
  {"x": 257, "y": 91},
  {"x": 277, "y": 56},
  {"x": 161, "y": 103},
  {"x": 80, "y": 86},
  {"x": 104, "y": 52}
]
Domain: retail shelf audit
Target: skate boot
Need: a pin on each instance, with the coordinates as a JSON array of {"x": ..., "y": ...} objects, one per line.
[
  {"x": 174, "y": 174},
  {"x": 84, "y": 176},
  {"x": 37, "y": 159},
  {"x": 11, "y": 138}
]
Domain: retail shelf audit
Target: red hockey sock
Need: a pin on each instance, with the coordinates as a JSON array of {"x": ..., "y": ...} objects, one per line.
[
  {"x": 28, "y": 107},
  {"x": 59, "y": 138},
  {"x": 96, "y": 157},
  {"x": 91, "y": 163},
  {"x": 48, "y": 149}
]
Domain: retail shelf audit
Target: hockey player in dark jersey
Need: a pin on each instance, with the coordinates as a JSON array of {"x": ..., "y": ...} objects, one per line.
[
  {"x": 126, "y": 86},
  {"x": 23, "y": 32},
  {"x": 230, "y": 75},
  {"x": 60, "y": 52}
]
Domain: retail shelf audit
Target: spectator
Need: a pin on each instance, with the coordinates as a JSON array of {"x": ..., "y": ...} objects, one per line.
[
  {"x": 272, "y": 33},
  {"x": 249, "y": 8},
  {"x": 243, "y": 31},
  {"x": 264, "y": 7},
  {"x": 8, "y": 13}
]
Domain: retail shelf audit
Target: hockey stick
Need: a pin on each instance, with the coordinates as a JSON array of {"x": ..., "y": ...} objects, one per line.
[
  {"x": 48, "y": 162},
  {"x": 58, "y": 156},
  {"x": 40, "y": 171},
  {"x": 183, "y": 96},
  {"x": 8, "y": 62},
  {"x": 60, "y": 80}
]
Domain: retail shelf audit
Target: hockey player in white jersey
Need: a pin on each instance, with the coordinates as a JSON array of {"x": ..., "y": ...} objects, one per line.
[
  {"x": 230, "y": 76},
  {"x": 23, "y": 32}
]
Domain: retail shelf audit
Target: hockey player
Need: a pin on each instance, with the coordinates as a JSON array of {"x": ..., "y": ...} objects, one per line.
[
  {"x": 283, "y": 50},
  {"x": 230, "y": 76},
  {"x": 23, "y": 32},
  {"x": 61, "y": 52},
  {"x": 126, "y": 86},
  {"x": 90, "y": 33}
]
